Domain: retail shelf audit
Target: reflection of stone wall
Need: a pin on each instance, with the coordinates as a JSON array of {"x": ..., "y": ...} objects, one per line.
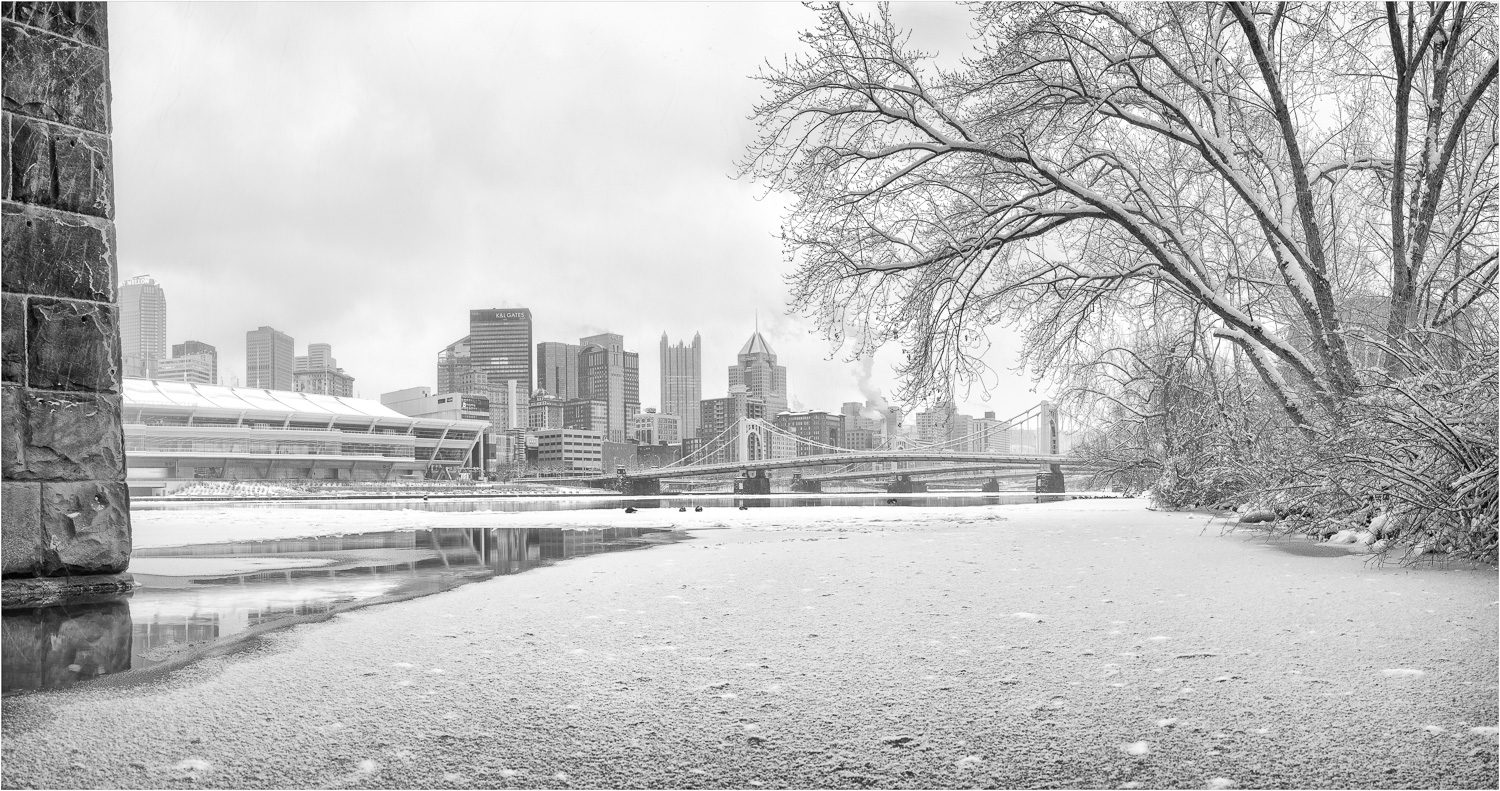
[
  {"x": 62, "y": 462},
  {"x": 50, "y": 647}
]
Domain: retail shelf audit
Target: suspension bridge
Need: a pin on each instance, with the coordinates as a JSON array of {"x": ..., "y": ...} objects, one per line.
[{"x": 750, "y": 449}]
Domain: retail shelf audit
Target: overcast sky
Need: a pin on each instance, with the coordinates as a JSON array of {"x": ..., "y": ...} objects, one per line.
[{"x": 363, "y": 174}]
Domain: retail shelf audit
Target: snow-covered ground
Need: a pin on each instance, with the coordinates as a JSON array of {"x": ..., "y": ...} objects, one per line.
[{"x": 1077, "y": 644}]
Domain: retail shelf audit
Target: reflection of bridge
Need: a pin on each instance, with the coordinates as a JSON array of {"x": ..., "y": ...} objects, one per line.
[{"x": 752, "y": 448}]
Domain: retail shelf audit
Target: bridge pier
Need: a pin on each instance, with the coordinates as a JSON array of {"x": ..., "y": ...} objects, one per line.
[
  {"x": 903, "y": 484},
  {"x": 754, "y": 482},
  {"x": 1050, "y": 481},
  {"x": 799, "y": 484},
  {"x": 642, "y": 487}
]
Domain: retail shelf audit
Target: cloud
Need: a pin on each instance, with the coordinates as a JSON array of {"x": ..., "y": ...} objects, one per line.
[{"x": 364, "y": 174}]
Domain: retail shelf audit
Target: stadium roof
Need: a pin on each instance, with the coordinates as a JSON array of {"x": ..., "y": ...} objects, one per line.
[{"x": 151, "y": 392}]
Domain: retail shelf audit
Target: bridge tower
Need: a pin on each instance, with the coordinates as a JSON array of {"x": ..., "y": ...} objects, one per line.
[{"x": 1049, "y": 479}]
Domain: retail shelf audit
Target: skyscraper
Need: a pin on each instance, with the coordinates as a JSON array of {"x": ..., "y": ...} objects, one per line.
[
  {"x": 191, "y": 361},
  {"x": 143, "y": 326},
  {"x": 500, "y": 345},
  {"x": 557, "y": 369},
  {"x": 608, "y": 373},
  {"x": 682, "y": 382},
  {"x": 758, "y": 372},
  {"x": 270, "y": 360}
]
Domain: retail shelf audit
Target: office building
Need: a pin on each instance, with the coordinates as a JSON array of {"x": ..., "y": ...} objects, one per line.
[
  {"x": 458, "y": 371},
  {"x": 557, "y": 369},
  {"x": 500, "y": 345},
  {"x": 716, "y": 419},
  {"x": 758, "y": 372},
  {"x": 545, "y": 411},
  {"x": 682, "y": 381},
  {"x": 586, "y": 414},
  {"x": 653, "y": 428},
  {"x": 318, "y": 372},
  {"x": 270, "y": 360},
  {"x": 455, "y": 369},
  {"x": 190, "y": 362},
  {"x": 992, "y": 435},
  {"x": 176, "y": 433},
  {"x": 570, "y": 449},
  {"x": 815, "y": 426},
  {"x": 143, "y": 327},
  {"x": 608, "y": 373}
]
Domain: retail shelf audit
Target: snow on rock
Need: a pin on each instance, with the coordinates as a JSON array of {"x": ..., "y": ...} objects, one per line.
[
  {"x": 1434, "y": 729},
  {"x": 1135, "y": 748},
  {"x": 1485, "y": 730},
  {"x": 1221, "y": 782},
  {"x": 1402, "y": 672},
  {"x": 1343, "y": 537}
]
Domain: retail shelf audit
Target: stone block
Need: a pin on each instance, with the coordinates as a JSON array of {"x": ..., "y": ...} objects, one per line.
[
  {"x": 20, "y": 527},
  {"x": 84, "y": 22},
  {"x": 57, "y": 255},
  {"x": 28, "y": 160},
  {"x": 65, "y": 437},
  {"x": 72, "y": 346},
  {"x": 55, "y": 79},
  {"x": 81, "y": 173},
  {"x": 12, "y": 422},
  {"x": 85, "y": 528},
  {"x": 13, "y": 329}
]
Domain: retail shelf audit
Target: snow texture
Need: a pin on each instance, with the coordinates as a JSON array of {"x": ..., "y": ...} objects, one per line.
[{"x": 869, "y": 649}]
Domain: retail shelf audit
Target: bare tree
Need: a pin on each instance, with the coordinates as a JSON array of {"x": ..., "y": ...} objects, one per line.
[{"x": 1258, "y": 164}]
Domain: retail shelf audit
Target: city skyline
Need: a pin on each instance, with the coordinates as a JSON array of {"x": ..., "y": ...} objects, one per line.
[{"x": 405, "y": 221}]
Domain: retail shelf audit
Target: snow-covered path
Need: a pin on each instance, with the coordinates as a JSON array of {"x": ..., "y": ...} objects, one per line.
[{"x": 1089, "y": 643}]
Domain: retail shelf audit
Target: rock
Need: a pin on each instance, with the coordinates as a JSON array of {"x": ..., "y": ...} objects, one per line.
[
  {"x": 1342, "y": 537},
  {"x": 1261, "y": 515},
  {"x": 1380, "y": 546},
  {"x": 897, "y": 741}
]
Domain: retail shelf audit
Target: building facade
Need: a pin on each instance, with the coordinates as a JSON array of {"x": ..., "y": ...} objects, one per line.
[
  {"x": 545, "y": 411},
  {"x": 177, "y": 432},
  {"x": 570, "y": 449},
  {"x": 682, "y": 381},
  {"x": 143, "y": 327},
  {"x": 716, "y": 418},
  {"x": 654, "y": 428},
  {"x": 318, "y": 372},
  {"x": 608, "y": 373},
  {"x": 557, "y": 369},
  {"x": 270, "y": 360},
  {"x": 500, "y": 345},
  {"x": 814, "y": 425},
  {"x": 586, "y": 414},
  {"x": 758, "y": 372},
  {"x": 191, "y": 361}
]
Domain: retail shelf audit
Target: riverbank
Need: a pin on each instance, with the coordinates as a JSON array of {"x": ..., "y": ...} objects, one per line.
[{"x": 1089, "y": 643}]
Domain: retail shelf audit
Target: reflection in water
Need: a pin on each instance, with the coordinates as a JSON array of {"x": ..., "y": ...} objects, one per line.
[
  {"x": 182, "y": 609},
  {"x": 510, "y": 504},
  {"x": 50, "y": 647}
]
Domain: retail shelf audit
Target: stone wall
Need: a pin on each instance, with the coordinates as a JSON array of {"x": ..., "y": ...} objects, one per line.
[{"x": 65, "y": 504}]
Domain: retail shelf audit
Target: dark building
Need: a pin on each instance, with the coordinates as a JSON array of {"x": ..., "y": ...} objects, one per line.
[
  {"x": 649, "y": 456},
  {"x": 557, "y": 369},
  {"x": 585, "y": 414},
  {"x": 500, "y": 345},
  {"x": 814, "y": 425},
  {"x": 608, "y": 373}
]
